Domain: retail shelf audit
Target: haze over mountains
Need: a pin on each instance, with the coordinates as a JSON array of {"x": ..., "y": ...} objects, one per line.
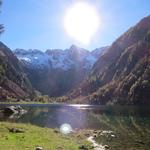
[
  {"x": 122, "y": 74},
  {"x": 55, "y": 72},
  {"x": 59, "y": 59},
  {"x": 116, "y": 74}
]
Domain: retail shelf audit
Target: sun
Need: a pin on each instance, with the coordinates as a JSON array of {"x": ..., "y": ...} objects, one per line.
[{"x": 81, "y": 22}]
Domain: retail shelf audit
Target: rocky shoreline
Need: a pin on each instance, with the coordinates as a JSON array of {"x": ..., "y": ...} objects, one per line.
[
  {"x": 12, "y": 112},
  {"x": 96, "y": 146}
]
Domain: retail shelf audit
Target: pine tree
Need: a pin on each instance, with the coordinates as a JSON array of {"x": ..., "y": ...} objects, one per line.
[{"x": 1, "y": 26}]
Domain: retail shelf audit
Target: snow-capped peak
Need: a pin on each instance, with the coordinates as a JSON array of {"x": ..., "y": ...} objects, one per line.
[
  {"x": 57, "y": 58},
  {"x": 33, "y": 58}
]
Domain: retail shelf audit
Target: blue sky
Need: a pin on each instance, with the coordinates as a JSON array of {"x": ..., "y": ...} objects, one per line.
[{"x": 38, "y": 24}]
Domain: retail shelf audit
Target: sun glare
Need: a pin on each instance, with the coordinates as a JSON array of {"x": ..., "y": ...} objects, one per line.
[
  {"x": 81, "y": 22},
  {"x": 65, "y": 128}
]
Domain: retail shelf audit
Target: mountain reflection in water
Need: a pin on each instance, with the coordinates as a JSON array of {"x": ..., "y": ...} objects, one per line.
[{"x": 82, "y": 116}]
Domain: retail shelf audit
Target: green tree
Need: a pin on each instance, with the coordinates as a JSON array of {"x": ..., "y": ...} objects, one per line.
[{"x": 1, "y": 26}]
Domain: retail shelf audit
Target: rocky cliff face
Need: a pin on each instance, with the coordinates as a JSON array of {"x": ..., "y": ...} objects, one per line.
[
  {"x": 55, "y": 72},
  {"x": 13, "y": 81},
  {"x": 122, "y": 74}
]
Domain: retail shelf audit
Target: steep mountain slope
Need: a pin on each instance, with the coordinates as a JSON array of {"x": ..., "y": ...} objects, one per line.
[
  {"x": 13, "y": 81},
  {"x": 55, "y": 72},
  {"x": 122, "y": 74}
]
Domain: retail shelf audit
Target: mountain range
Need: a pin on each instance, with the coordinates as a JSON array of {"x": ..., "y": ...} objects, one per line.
[
  {"x": 14, "y": 83},
  {"x": 118, "y": 74},
  {"x": 55, "y": 72},
  {"x": 122, "y": 74}
]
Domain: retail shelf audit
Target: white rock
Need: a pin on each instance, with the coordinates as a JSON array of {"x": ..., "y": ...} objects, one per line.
[{"x": 39, "y": 148}]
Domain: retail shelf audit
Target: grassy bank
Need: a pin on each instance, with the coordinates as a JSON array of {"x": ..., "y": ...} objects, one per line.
[{"x": 28, "y": 137}]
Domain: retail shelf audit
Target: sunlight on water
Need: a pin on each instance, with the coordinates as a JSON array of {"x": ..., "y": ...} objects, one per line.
[{"x": 80, "y": 106}]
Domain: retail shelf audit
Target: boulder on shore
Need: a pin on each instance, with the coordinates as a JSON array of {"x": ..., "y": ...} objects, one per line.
[{"x": 13, "y": 110}]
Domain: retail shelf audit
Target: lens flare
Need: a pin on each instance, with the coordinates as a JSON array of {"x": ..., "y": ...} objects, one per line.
[{"x": 65, "y": 128}]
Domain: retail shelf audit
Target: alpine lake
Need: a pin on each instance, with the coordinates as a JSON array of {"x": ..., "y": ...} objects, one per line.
[{"x": 119, "y": 127}]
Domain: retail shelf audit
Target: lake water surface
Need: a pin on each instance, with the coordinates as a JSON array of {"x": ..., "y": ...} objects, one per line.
[
  {"x": 82, "y": 116},
  {"x": 129, "y": 126}
]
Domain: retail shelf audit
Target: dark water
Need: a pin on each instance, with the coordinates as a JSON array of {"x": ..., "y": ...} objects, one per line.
[{"x": 82, "y": 116}]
